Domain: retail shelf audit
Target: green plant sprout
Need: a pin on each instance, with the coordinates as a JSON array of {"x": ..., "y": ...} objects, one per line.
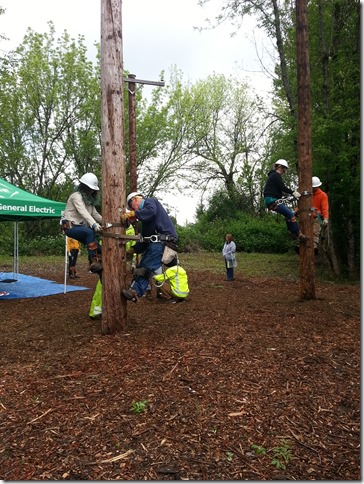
[
  {"x": 282, "y": 455},
  {"x": 229, "y": 456},
  {"x": 139, "y": 407},
  {"x": 259, "y": 450}
]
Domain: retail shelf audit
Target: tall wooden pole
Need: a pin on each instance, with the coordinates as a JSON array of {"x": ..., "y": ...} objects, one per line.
[
  {"x": 133, "y": 181},
  {"x": 113, "y": 167},
  {"x": 307, "y": 266},
  {"x": 132, "y": 81}
]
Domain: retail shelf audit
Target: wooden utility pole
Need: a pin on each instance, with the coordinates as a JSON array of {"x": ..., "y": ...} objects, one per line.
[
  {"x": 133, "y": 180},
  {"x": 307, "y": 266},
  {"x": 113, "y": 167}
]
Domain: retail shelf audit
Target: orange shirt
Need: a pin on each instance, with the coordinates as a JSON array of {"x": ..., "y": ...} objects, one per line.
[{"x": 321, "y": 202}]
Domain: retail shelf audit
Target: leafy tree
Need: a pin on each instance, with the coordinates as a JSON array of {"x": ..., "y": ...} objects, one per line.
[
  {"x": 225, "y": 132},
  {"x": 49, "y": 125},
  {"x": 334, "y": 51}
]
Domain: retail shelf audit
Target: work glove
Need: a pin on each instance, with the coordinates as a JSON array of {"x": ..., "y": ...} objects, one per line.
[
  {"x": 296, "y": 194},
  {"x": 96, "y": 227},
  {"x": 125, "y": 217},
  {"x": 325, "y": 221}
]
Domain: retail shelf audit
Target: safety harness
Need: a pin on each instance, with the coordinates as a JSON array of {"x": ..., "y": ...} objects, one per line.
[
  {"x": 287, "y": 200},
  {"x": 140, "y": 272},
  {"x": 139, "y": 238}
]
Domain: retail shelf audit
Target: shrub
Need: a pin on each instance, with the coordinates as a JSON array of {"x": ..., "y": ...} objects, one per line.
[{"x": 268, "y": 234}]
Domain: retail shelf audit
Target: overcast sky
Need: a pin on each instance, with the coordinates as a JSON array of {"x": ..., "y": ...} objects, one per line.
[{"x": 157, "y": 34}]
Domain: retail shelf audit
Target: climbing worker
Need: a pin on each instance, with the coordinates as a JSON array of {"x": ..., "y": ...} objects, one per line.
[
  {"x": 228, "y": 253},
  {"x": 81, "y": 220},
  {"x": 73, "y": 249},
  {"x": 274, "y": 189},
  {"x": 172, "y": 284},
  {"x": 158, "y": 232},
  {"x": 320, "y": 202},
  {"x": 96, "y": 302}
]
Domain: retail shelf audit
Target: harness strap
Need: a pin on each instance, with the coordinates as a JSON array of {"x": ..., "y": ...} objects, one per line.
[{"x": 305, "y": 210}]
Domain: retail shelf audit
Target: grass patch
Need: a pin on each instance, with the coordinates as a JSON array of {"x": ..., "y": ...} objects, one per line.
[
  {"x": 256, "y": 265},
  {"x": 249, "y": 265}
]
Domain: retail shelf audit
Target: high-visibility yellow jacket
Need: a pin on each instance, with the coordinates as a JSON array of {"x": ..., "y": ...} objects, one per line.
[
  {"x": 178, "y": 280},
  {"x": 130, "y": 231},
  {"x": 96, "y": 303}
]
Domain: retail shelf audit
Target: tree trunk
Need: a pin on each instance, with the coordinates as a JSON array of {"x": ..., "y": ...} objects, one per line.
[
  {"x": 328, "y": 249},
  {"x": 282, "y": 59},
  {"x": 352, "y": 272},
  {"x": 113, "y": 167}
]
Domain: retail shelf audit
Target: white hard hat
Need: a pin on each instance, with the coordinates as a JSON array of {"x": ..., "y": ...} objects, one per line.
[
  {"x": 131, "y": 196},
  {"x": 316, "y": 182},
  {"x": 282, "y": 163},
  {"x": 90, "y": 180}
]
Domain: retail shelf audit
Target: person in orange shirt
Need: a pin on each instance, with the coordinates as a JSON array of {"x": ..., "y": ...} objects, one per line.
[{"x": 320, "y": 202}]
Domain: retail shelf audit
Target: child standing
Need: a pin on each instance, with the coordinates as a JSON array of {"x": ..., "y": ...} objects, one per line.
[{"x": 228, "y": 252}]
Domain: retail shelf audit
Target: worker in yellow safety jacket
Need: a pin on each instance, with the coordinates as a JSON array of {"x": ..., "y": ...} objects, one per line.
[
  {"x": 96, "y": 303},
  {"x": 177, "y": 288}
]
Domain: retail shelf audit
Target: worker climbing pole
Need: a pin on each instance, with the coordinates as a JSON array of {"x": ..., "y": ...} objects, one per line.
[
  {"x": 113, "y": 168},
  {"x": 307, "y": 266}
]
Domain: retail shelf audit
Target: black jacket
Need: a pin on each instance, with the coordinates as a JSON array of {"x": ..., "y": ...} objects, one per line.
[{"x": 274, "y": 186}]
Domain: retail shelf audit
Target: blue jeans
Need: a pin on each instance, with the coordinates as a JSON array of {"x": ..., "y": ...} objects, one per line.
[
  {"x": 230, "y": 273},
  {"x": 85, "y": 235},
  {"x": 151, "y": 260},
  {"x": 290, "y": 218}
]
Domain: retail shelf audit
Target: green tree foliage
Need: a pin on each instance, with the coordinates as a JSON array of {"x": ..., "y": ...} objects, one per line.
[
  {"x": 267, "y": 234},
  {"x": 50, "y": 127},
  {"x": 226, "y": 136},
  {"x": 335, "y": 70},
  {"x": 334, "y": 52},
  {"x": 212, "y": 135}
]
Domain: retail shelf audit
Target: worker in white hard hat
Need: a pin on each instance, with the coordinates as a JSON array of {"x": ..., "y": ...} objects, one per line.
[
  {"x": 274, "y": 189},
  {"x": 81, "y": 221},
  {"x": 155, "y": 222},
  {"x": 320, "y": 202}
]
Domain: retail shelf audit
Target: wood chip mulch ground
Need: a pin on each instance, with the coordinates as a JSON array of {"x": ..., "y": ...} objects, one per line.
[{"x": 243, "y": 381}]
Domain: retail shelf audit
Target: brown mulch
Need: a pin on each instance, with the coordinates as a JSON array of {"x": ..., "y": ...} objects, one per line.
[{"x": 243, "y": 381}]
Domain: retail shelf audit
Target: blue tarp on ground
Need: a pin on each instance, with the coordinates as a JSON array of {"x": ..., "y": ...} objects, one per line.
[{"x": 29, "y": 286}]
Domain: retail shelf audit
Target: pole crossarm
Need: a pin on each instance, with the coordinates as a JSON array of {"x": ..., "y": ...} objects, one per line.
[
  {"x": 124, "y": 238},
  {"x": 141, "y": 81}
]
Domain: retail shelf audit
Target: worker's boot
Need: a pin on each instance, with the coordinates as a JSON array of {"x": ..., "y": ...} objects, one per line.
[
  {"x": 72, "y": 273},
  {"x": 299, "y": 236},
  {"x": 95, "y": 260},
  {"x": 96, "y": 266},
  {"x": 148, "y": 292},
  {"x": 130, "y": 294},
  {"x": 302, "y": 237}
]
